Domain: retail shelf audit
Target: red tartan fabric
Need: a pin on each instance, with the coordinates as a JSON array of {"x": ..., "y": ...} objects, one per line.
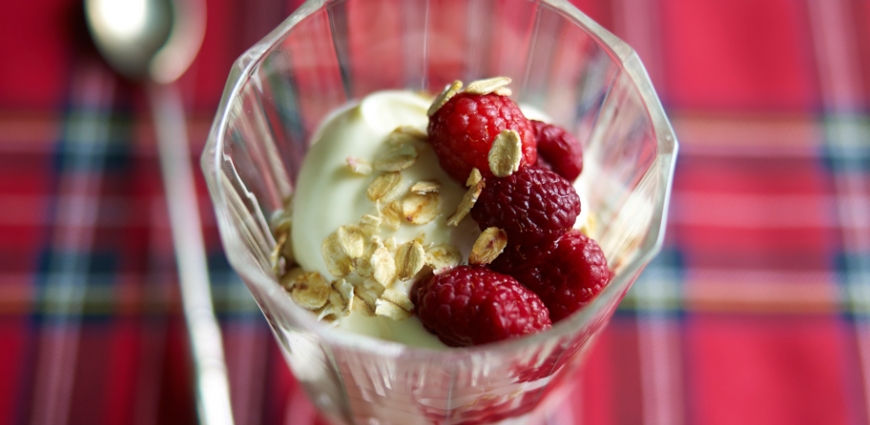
[{"x": 756, "y": 312}]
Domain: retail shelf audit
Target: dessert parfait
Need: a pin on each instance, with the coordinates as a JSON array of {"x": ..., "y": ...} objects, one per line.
[
  {"x": 436, "y": 268},
  {"x": 440, "y": 222}
]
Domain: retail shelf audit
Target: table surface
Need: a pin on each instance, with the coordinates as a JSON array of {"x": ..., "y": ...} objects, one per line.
[{"x": 756, "y": 312}]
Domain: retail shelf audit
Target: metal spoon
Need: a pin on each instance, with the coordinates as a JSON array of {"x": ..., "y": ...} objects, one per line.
[{"x": 154, "y": 41}]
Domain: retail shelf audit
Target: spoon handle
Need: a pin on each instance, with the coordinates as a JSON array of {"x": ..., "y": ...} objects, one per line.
[{"x": 212, "y": 384}]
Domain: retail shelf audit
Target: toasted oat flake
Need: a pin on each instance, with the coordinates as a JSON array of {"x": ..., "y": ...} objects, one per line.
[
  {"x": 420, "y": 209},
  {"x": 358, "y": 305},
  {"x": 506, "y": 153},
  {"x": 352, "y": 240},
  {"x": 398, "y": 158},
  {"x": 397, "y": 139},
  {"x": 387, "y": 309},
  {"x": 392, "y": 215},
  {"x": 383, "y": 185},
  {"x": 337, "y": 261},
  {"x": 590, "y": 226},
  {"x": 410, "y": 259},
  {"x": 275, "y": 256},
  {"x": 391, "y": 244},
  {"x": 310, "y": 291},
  {"x": 398, "y": 298},
  {"x": 289, "y": 278},
  {"x": 336, "y": 299},
  {"x": 474, "y": 177},
  {"x": 282, "y": 226},
  {"x": 442, "y": 257},
  {"x": 465, "y": 205},
  {"x": 359, "y": 166},
  {"x": 383, "y": 266},
  {"x": 444, "y": 96},
  {"x": 488, "y": 246},
  {"x": 369, "y": 291},
  {"x": 370, "y": 224},
  {"x": 363, "y": 265},
  {"x": 503, "y": 91},
  {"x": 344, "y": 289},
  {"x": 488, "y": 85},
  {"x": 328, "y": 313},
  {"x": 414, "y": 132},
  {"x": 426, "y": 186},
  {"x": 335, "y": 306}
]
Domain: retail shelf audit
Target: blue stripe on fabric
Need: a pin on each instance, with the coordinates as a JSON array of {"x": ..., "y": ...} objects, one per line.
[
  {"x": 853, "y": 276},
  {"x": 79, "y": 152},
  {"x": 847, "y": 144},
  {"x": 233, "y": 301},
  {"x": 659, "y": 288},
  {"x": 846, "y": 155}
]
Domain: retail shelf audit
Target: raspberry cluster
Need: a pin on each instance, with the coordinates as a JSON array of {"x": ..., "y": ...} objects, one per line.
[
  {"x": 462, "y": 132},
  {"x": 548, "y": 270}
]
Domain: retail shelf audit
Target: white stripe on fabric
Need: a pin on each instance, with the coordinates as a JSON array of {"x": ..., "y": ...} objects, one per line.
[
  {"x": 840, "y": 79},
  {"x": 78, "y": 202},
  {"x": 656, "y": 293},
  {"x": 762, "y": 287},
  {"x": 700, "y": 150},
  {"x": 658, "y": 335},
  {"x": 119, "y": 211},
  {"x": 768, "y": 211}
]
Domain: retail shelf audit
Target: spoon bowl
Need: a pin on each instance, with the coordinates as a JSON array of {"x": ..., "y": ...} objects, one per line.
[{"x": 154, "y": 40}]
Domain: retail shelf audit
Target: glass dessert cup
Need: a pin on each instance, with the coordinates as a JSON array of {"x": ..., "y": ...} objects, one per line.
[{"x": 331, "y": 53}]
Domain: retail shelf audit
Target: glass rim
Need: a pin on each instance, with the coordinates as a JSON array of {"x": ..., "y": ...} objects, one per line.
[{"x": 667, "y": 148}]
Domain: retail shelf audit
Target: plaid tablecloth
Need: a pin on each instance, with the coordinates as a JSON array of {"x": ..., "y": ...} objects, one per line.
[{"x": 756, "y": 312}]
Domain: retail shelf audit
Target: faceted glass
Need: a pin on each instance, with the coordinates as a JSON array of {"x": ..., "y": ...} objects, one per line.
[{"x": 333, "y": 52}]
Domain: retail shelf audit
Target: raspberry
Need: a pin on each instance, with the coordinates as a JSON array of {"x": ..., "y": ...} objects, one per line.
[
  {"x": 517, "y": 257},
  {"x": 533, "y": 206},
  {"x": 567, "y": 274},
  {"x": 462, "y": 132},
  {"x": 473, "y": 305},
  {"x": 558, "y": 150}
]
